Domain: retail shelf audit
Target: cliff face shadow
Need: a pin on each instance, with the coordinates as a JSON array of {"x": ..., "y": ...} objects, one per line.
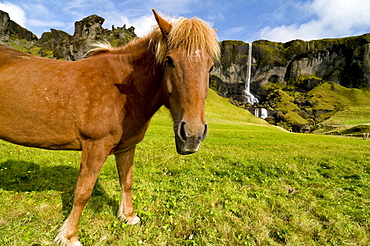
[{"x": 23, "y": 176}]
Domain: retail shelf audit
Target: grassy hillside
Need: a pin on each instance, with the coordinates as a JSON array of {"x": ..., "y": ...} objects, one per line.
[
  {"x": 328, "y": 108},
  {"x": 350, "y": 108},
  {"x": 219, "y": 110},
  {"x": 249, "y": 184}
]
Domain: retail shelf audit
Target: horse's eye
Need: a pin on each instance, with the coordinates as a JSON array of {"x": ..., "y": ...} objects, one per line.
[
  {"x": 211, "y": 69},
  {"x": 169, "y": 62}
]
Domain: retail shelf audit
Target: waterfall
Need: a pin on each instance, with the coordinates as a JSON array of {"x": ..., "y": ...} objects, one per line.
[
  {"x": 258, "y": 112},
  {"x": 249, "y": 69},
  {"x": 248, "y": 95},
  {"x": 261, "y": 113}
]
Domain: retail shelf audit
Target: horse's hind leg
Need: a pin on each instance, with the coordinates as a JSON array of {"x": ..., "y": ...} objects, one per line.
[
  {"x": 124, "y": 161},
  {"x": 94, "y": 155}
]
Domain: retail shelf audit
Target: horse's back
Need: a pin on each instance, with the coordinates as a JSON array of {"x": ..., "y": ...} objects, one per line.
[{"x": 10, "y": 56}]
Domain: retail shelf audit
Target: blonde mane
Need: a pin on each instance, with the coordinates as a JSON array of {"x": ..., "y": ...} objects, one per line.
[{"x": 186, "y": 34}]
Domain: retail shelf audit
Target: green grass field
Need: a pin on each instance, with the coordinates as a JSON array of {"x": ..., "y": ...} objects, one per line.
[{"x": 249, "y": 184}]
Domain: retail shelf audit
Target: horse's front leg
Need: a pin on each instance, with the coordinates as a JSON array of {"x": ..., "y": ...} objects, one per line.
[
  {"x": 124, "y": 161},
  {"x": 93, "y": 157}
]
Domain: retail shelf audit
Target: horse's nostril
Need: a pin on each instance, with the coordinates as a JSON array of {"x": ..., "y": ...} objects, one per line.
[
  {"x": 205, "y": 132},
  {"x": 182, "y": 131}
]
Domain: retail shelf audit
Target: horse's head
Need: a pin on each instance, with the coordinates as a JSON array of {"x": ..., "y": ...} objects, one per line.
[
  {"x": 186, "y": 82},
  {"x": 190, "y": 46}
]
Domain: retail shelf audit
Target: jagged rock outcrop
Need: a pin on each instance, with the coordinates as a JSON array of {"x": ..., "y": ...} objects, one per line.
[
  {"x": 87, "y": 32},
  {"x": 58, "y": 44},
  {"x": 9, "y": 28},
  {"x": 55, "y": 43}
]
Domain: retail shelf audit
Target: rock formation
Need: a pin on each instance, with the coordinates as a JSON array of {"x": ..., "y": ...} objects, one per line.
[
  {"x": 58, "y": 44},
  {"x": 9, "y": 29}
]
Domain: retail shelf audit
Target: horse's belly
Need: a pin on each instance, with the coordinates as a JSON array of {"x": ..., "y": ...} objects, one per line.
[
  {"x": 36, "y": 133},
  {"x": 54, "y": 142}
]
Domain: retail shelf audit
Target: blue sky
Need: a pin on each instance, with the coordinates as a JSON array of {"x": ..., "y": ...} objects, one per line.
[{"x": 275, "y": 20}]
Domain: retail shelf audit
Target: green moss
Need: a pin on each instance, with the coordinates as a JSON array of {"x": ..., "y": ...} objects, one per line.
[
  {"x": 234, "y": 42},
  {"x": 324, "y": 116},
  {"x": 284, "y": 102},
  {"x": 47, "y": 53},
  {"x": 300, "y": 82},
  {"x": 234, "y": 52},
  {"x": 119, "y": 42},
  {"x": 35, "y": 50},
  {"x": 18, "y": 47},
  {"x": 273, "y": 86},
  {"x": 294, "y": 117},
  {"x": 326, "y": 96},
  {"x": 117, "y": 31},
  {"x": 270, "y": 53},
  {"x": 304, "y": 77}
]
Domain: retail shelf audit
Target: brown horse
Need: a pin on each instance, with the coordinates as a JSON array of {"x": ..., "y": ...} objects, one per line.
[{"x": 102, "y": 105}]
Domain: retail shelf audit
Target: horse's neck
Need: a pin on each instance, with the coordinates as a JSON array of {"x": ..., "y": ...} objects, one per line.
[{"x": 145, "y": 77}]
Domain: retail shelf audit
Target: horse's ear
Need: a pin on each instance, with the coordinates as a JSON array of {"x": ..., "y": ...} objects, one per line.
[{"x": 164, "y": 25}]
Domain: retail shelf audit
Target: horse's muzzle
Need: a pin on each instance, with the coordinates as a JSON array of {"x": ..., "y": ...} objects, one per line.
[{"x": 188, "y": 140}]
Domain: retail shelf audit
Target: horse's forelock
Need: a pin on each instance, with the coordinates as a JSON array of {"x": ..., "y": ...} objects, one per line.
[{"x": 189, "y": 35}]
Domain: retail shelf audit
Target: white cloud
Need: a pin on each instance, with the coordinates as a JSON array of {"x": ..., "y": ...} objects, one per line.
[
  {"x": 15, "y": 12},
  {"x": 333, "y": 18},
  {"x": 143, "y": 25}
]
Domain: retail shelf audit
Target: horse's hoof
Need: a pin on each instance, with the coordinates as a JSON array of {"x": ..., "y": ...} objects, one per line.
[
  {"x": 64, "y": 242},
  {"x": 132, "y": 221},
  {"x": 76, "y": 244}
]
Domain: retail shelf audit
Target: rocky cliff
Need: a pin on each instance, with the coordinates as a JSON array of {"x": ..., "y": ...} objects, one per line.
[
  {"x": 10, "y": 30},
  {"x": 282, "y": 74},
  {"x": 58, "y": 44},
  {"x": 345, "y": 61}
]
